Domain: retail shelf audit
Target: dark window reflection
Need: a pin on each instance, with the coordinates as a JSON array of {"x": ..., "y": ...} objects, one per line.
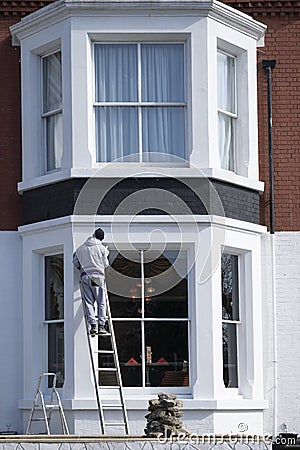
[
  {"x": 128, "y": 305},
  {"x": 230, "y": 313},
  {"x": 56, "y": 352},
  {"x": 158, "y": 290},
  {"x": 54, "y": 287},
  {"x": 230, "y": 368},
  {"x": 167, "y": 347},
  {"x": 169, "y": 268},
  {"x": 230, "y": 290},
  {"x": 54, "y": 310},
  {"x": 128, "y": 337}
]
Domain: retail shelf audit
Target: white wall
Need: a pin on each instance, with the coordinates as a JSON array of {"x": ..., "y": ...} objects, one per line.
[
  {"x": 288, "y": 326},
  {"x": 10, "y": 330}
]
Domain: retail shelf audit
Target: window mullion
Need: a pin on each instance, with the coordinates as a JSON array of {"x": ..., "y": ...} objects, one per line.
[
  {"x": 140, "y": 101},
  {"x": 142, "y": 321}
]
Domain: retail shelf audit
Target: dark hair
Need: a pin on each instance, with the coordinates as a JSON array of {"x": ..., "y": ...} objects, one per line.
[{"x": 99, "y": 234}]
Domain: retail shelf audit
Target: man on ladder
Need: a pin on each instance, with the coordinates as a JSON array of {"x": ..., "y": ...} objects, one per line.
[{"x": 91, "y": 258}]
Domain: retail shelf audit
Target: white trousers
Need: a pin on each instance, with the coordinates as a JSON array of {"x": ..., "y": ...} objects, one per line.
[{"x": 93, "y": 292}]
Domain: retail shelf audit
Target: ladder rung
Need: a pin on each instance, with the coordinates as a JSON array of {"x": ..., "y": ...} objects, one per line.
[
  {"x": 40, "y": 419},
  {"x": 112, "y": 406},
  {"x": 110, "y": 387},
  {"x": 52, "y": 406},
  {"x": 109, "y": 352},
  {"x": 115, "y": 424},
  {"x": 107, "y": 369}
]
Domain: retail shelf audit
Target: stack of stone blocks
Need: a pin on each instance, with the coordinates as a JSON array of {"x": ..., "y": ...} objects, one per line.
[{"x": 164, "y": 417}]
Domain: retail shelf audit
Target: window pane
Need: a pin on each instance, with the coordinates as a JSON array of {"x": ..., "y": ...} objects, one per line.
[
  {"x": 116, "y": 133},
  {"x": 230, "y": 369},
  {"x": 162, "y": 72},
  {"x": 230, "y": 287},
  {"x": 52, "y": 82},
  {"x": 56, "y": 351},
  {"x": 226, "y": 141},
  {"x": 128, "y": 305},
  {"x": 163, "y": 132},
  {"x": 54, "y": 141},
  {"x": 166, "y": 285},
  {"x": 54, "y": 287},
  {"x": 116, "y": 72},
  {"x": 168, "y": 342},
  {"x": 226, "y": 82},
  {"x": 128, "y": 337}
]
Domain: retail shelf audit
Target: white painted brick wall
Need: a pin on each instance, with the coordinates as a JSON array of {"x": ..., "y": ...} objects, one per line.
[
  {"x": 288, "y": 328},
  {"x": 10, "y": 330}
]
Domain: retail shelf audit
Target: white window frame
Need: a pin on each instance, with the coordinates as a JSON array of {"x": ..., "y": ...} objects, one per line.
[
  {"x": 48, "y": 322},
  {"x": 233, "y": 115},
  {"x": 237, "y": 323},
  {"x": 140, "y": 104},
  {"x": 50, "y": 113},
  {"x": 185, "y": 390}
]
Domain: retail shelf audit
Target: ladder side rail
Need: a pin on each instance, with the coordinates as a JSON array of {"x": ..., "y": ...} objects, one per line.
[
  {"x": 64, "y": 424},
  {"x": 32, "y": 412},
  {"x": 96, "y": 385},
  {"x": 34, "y": 405},
  {"x": 116, "y": 360},
  {"x": 52, "y": 392},
  {"x": 44, "y": 412}
]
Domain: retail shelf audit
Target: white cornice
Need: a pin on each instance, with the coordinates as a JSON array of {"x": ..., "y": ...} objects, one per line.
[
  {"x": 140, "y": 220},
  {"x": 62, "y": 9}
]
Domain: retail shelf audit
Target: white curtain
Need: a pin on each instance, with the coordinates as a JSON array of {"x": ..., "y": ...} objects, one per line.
[
  {"x": 116, "y": 72},
  {"x": 162, "y": 73},
  {"x": 52, "y": 100},
  {"x": 52, "y": 83},
  {"x": 225, "y": 134},
  {"x": 117, "y": 133},
  {"x": 163, "y": 133},
  {"x": 162, "y": 80},
  {"x": 54, "y": 138},
  {"x": 226, "y": 103}
]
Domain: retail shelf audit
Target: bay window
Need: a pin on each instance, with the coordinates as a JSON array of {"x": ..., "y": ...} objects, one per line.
[
  {"x": 149, "y": 305},
  {"x": 52, "y": 110},
  {"x": 140, "y": 105},
  {"x": 227, "y": 109},
  {"x": 54, "y": 314},
  {"x": 230, "y": 318}
]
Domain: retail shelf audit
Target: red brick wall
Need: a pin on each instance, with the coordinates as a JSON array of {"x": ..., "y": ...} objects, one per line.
[
  {"x": 10, "y": 134},
  {"x": 10, "y": 112},
  {"x": 283, "y": 44}
]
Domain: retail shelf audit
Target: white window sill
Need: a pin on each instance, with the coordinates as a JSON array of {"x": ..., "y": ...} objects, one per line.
[
  {"x": 135, "y": 170},
  {"x": 139, "y": 403}
]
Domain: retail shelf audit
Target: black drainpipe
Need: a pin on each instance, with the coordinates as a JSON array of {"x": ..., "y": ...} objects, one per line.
[{"x": 268, "y": 65}]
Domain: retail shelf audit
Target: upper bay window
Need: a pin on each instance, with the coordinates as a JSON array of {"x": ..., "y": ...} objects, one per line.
[
  {"x": 52, "y": 110},
  {"x": 140, "y": 101},
  {"x": 227, "y": 110}
]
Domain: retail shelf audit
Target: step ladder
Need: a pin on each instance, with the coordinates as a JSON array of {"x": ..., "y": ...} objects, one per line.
[
  {"x": 111, "y": 374},
  {"x": 39, "y": 405}
]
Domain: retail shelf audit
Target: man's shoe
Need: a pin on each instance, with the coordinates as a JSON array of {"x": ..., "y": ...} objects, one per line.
[
  {"x": 93, "y": 330},
  {"x": 102, "y": 332}
]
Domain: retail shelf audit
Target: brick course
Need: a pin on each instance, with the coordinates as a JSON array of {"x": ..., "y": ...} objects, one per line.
[
  {"x": 10, "y": 133},
  {"x": 281, "y": 43}
]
